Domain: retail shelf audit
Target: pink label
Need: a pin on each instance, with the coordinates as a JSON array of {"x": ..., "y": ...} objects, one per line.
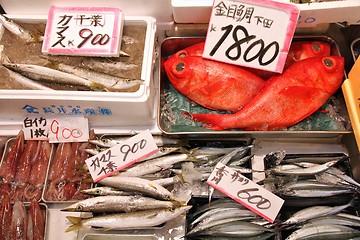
[
  {"x": 244, "y": 191},
  {"x": 121, "y": 155},
  {"x": 251, "y": 33},
  {"x": 83, "y": 31}
]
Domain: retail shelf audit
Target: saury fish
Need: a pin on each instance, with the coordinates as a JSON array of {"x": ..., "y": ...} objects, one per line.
[
  {"x": 17, "y": 30},
  {"x": 213, "y": 84},
  {"x": 285, "y": 99}
]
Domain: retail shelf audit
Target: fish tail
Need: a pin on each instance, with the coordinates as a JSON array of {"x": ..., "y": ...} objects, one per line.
[
  {"x": 76, "y": 221},
  {"x": 211, "y": 121}
]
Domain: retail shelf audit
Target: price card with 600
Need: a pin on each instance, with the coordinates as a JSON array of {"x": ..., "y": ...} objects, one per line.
[{"x": 251, "y": 33}]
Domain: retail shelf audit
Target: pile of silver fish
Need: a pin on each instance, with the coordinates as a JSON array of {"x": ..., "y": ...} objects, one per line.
[
  {"x": 20, "y": 222},
  {"x": 23, "y": 169},
  {"x": 54, "y": 72},
  {"x": 226, "y": 219}
]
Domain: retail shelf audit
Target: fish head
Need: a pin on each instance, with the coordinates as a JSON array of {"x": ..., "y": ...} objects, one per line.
[
  {"x": 76, "y": 207},
  {"x": 186, "y": 74},
  {"x": 193, "y": 50},
  {"x": 305, "y": 49},
  {"x": 333, "y": 72}
]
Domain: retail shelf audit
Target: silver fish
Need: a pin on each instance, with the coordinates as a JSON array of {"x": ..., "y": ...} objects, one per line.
[
  {"x": 119, "y": 204},
  {"x": 154, "y": 165},
  {"x": 332, "y": 219},
  {"x": 107, "y": 191},
  {"x": 112, "y": 83},
  {"x": 27, "y": 82},
  {"x": 41, "y": 73},
  {"x": 303, "y": 171},
  {"x": 17, "y": 30},
  {"x": 320, "y": 192},
  {"x": 108, "y": 66},
  {"x": 136, "y": 184},
  {"x": 123, "y": 221},
  {"x": 324, "y": 232},
  {"x": 315, "y": 211}
]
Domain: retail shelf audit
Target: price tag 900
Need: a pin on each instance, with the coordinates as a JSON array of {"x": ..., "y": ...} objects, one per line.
[
  {"x": 251, "y": 33},
  {"x": 246, "y": 192},
  {"x": 121, "y": 155}
]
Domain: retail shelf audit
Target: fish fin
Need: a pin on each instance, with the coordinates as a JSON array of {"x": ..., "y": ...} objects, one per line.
[
  {"x": 211, "y": 121},
  {"x": 76, "y": 221}
]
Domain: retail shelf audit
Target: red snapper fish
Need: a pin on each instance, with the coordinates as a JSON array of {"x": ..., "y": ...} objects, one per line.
[
  {"x": 299, "y": 50},
  {"x": 285, "y": 99},
  {"x": 212, "y": 84}
]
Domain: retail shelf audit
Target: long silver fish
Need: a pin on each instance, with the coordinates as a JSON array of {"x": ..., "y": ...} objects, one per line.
[
  {"x": 123, "y": 221},
  {"x": 315, "y": 211},
  {"x": 41, "y": 73},
  {"x": 332, "y": 219},
  {"x": 119, "y": 204},
  {"x": 107, "y": 191},
  {"x": 303, "y": 171},
  {"x": 27, "y": 82},
  {"x": 136, "y": 184},
  {"x": 108, "y": 66},
  {"x": 17, "y": 30},
  {"x": 154, "y": 165},
  {"x": 324, "y": 232},
  {"x": 112, "y": 83}
]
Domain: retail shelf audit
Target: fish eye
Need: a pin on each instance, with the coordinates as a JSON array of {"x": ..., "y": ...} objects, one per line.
[
  {"x": 98, "y": 191},
  {"x": 180, "y": 66},
  {"x": 316, "y": 47},
  {"x": 79, "y": 207},
  {"x": 328, "y": 62}
]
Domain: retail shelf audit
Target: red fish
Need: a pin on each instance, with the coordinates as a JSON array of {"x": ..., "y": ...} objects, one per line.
[
  {"x": 212, "y": 84},
  {"x": 298, "y": 50},
  {"x": 285, "y": 99}
]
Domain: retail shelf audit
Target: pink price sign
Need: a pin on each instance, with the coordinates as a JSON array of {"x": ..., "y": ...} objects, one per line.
[
  {"x": 251, "y": 33},
  {"x": 92, "y": 31}
]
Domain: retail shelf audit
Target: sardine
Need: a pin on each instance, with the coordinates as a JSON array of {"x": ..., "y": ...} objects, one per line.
[
  {"x": 138, "y": 185},
  {"x": 119, "y": 204},
  {"x": 111, "y": 83},
  {"x": 315, "y": 211},
  {"x": 40, "y": 73},
  {"x": 123, "y": 221},
  {"x": 17, "y": 30},
  {"x": 27, "y": 82}
]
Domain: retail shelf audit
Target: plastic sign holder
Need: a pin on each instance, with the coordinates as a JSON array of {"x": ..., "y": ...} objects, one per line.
[
  {"x": 251, "y": 33},
  {"x": 351, "y": 92},
  {"x": 83, "y": 31}
]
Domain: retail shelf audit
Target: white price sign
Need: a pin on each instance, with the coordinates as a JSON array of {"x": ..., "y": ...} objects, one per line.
[
  {"x": 246, "y": 192},
  {"x": 83, "y": 31},
  {"x": 121, "y": 155},
  {"x": 251, "y": 33},
  {"x": 68, "y": 129}
]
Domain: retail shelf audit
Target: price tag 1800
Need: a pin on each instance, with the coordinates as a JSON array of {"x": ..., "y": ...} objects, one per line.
[
  {"x": 246, "y": 192},
  {"x": 251, "y": 33},
  {"x": 121, "y": 155}
]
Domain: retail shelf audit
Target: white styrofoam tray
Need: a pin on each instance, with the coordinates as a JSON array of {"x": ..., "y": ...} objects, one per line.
[{"x": 113, "y": 109}]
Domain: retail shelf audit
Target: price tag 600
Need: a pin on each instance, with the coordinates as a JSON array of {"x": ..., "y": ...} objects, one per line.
[
  {"x": 246, "y": 192},
  {"x": 121, "y": 155},
  {"x": 251, "y": 33}
]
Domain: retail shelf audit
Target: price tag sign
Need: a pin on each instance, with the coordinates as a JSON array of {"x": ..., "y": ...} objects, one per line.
[
  {"x": 121, "y": 155},
  {"x": 246, "y": 192},
  {"x": 35, "y": 128},
  {"x": 83, "y": 31},
  {"x": 251, "y": 33},
  {"x": 68, "y": 129}
]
